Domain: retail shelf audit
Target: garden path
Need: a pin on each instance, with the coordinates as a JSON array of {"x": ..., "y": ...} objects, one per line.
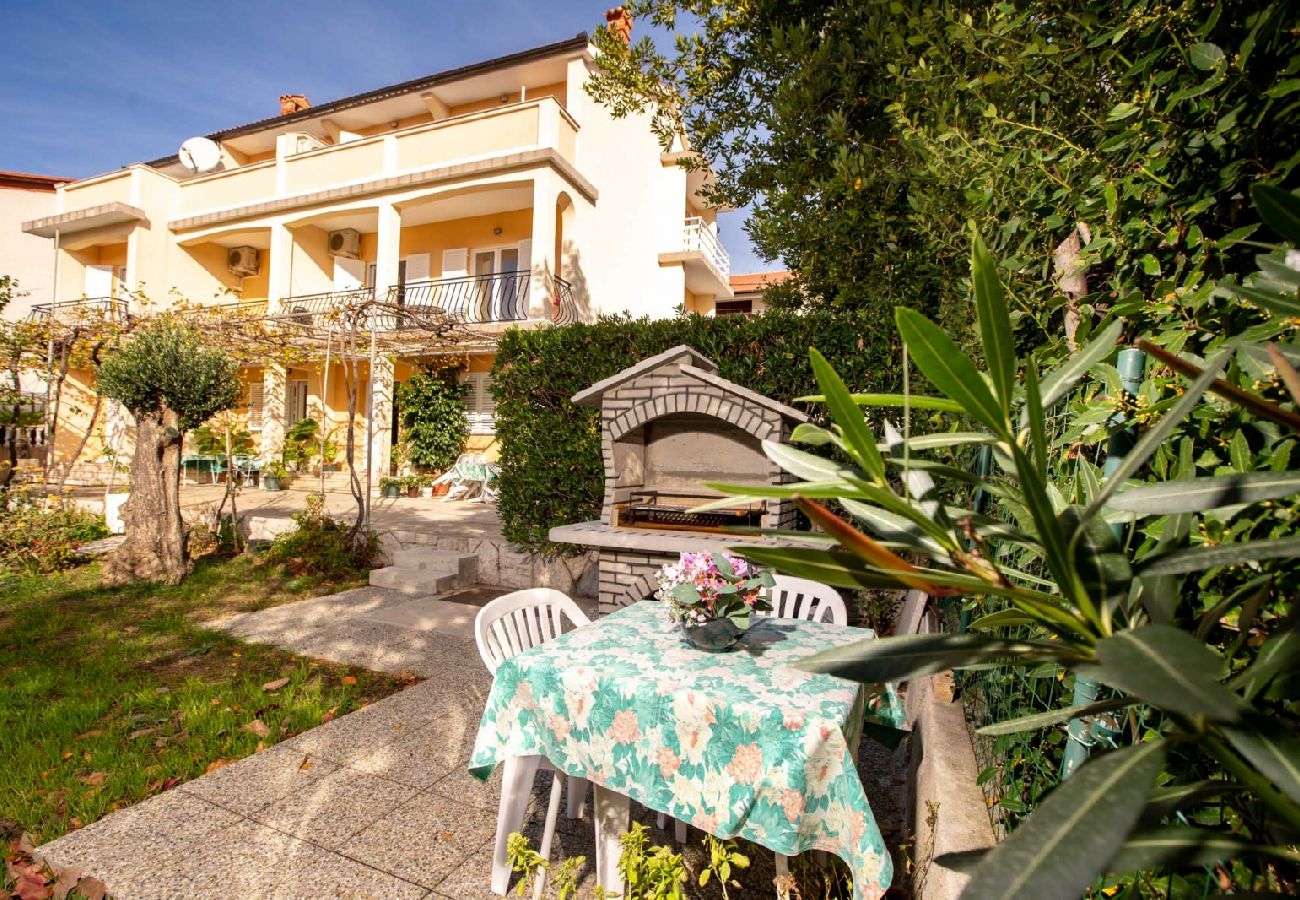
[{"x": 377, "y": 803}]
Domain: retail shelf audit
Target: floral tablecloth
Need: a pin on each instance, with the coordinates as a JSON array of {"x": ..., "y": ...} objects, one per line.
[{"x": 736, "y": 743}]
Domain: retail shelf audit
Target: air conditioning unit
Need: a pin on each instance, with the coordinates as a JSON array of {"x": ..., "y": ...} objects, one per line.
[
  {"x": 346, "y": 242},
  {"x": 242, "y": 260}
]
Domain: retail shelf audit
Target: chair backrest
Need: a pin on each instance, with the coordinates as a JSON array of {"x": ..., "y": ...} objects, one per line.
[
  {"x": 515, "y": 622},
  {"x": 800, "y": 598}
]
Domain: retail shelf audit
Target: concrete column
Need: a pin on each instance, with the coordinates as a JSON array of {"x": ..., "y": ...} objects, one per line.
[
  {"x": 273, "y": 379},
  {"x": 382, "y": 410},
  {"x": 389, "y": 248},
  {"x": 544, "y": 264},
  {"x": 279, "y": 284}
]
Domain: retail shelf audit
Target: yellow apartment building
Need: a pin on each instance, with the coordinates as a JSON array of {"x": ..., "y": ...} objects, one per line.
[{"x": 499, "y": 192}]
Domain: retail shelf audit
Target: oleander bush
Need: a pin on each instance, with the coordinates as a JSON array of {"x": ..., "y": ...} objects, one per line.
[{"x": 551, "y": 470}]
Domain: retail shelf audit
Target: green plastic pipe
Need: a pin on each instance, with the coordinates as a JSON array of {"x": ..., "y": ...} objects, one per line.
[{"x": 1131, "y": 365}]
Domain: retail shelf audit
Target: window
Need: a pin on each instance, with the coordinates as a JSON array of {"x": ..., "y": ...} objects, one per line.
[
  {"x": 295, "y": 402},
  {"x": 255, "y": 406},
  {"x": 733, "y": 307},
  {"x": 480, "y": 408}
]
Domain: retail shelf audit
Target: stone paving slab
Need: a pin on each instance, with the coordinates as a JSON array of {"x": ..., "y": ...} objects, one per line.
[
  {"x": 256, "y": 781},
  {"x": 432, "y": 837},
  {"x": 331, "y": 810},
  {"x": 428, "y": 614}
]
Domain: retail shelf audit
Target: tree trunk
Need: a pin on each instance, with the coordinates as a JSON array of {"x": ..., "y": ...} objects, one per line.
[{"x": 155, "y": 546}]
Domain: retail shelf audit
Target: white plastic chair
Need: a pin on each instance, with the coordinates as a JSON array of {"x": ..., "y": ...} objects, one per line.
[
  {"x": 800, "y": 598},
  {"x": 509, "y": 625}
]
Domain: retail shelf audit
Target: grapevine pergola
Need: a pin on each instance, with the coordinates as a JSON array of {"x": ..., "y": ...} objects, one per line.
[{"x": 350, "y": 328}]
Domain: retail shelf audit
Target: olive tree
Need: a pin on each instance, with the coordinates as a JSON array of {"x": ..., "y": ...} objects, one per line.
[{"x": 170, "y": 382}]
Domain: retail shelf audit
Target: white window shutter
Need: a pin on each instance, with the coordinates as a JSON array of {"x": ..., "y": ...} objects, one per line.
[
  {"x": 99, "y": 281},
  {"x": 349, "y": 274},
  {"x": 255, "y": 402},
  {"x": 417, "y": 267},
  {"x": 455, "y": 263},
  {"x": 480, "y": 409}
]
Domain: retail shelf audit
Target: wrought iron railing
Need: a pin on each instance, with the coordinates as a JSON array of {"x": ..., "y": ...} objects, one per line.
[
  {"x": 697, "y": 235},
  {"x": 475, "y": 299},
  {"x": 112, "y": 309},
  {"x": 314, "y": 310},
  {"x": 484, "y": 299}
]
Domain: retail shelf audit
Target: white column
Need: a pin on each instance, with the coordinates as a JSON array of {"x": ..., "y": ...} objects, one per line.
[
  {"x": 389, "y": 249},
  {"x": 279, "y": 282},
  {"x": 544, "y": 264},
  {"x": 382, "y": 409},
  {"x": 273, "y": 382},
  {"x": 387, "y": 253}
]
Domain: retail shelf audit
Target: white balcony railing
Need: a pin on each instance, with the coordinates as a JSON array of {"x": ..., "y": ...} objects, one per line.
[{"x": 698, "y": 236}]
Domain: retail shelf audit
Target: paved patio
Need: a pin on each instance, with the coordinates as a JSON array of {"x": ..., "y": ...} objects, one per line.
[{"x": 377, "y": 803}]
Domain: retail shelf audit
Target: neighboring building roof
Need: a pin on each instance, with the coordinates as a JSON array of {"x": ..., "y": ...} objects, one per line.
[
  {"x": 26, "y": 181},
  {"x": 757, "y": 281},
  {"x": 577, "y": 42}
]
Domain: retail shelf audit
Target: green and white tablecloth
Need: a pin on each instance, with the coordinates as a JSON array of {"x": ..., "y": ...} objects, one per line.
[{"x": 736, "y": 743}]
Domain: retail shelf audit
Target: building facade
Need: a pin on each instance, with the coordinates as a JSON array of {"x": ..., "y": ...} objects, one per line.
[{"x": 500, "y": 193}]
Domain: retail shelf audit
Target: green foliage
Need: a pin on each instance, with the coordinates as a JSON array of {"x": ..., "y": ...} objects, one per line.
[
  {"x": 301, "y": 444},
  {"x": 167, "y": 365},
  {"x": 724, "y": 858},
  {"x": 431, "y": 405},
  {"x": 211, "y": 441},
  {"x": 649, "y": 873},
  {"x": 36, "y": 536},
  {"x": 1124, "y": 613},
  {"x": 323, "y": 546},
  {"x": 551, "y": 470},
  {"x": 865, "y": 133}
]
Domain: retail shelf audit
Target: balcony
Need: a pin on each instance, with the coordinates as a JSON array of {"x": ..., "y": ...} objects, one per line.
[
  {"x": 84, "y": 312},
  {"x": 380, "y": 163},
  {"x": 484, "y": 299},
  {"x": 706, "y": 262}
]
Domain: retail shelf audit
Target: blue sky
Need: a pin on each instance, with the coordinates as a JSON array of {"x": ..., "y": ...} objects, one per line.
[{"x": 86, "y": 88}]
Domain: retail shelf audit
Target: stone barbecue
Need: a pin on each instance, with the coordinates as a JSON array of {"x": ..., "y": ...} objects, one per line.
[{"x": 668, "y": 424}]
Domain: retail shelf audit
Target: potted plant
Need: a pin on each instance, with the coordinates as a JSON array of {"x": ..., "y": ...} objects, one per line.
[
  {"x": 274, "y": 476},
  {"x": 412, "y": 483},
  {"x": 390, "y": 488},
  {"x": 712, "y": 596}
]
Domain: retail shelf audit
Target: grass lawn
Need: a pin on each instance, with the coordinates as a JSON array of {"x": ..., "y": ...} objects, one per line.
[{"x": 110, "y": 695}]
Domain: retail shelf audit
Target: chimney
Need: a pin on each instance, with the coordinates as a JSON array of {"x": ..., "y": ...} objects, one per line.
[
  {"x": 620, "y": 23},
  {"x": 292, "y": 103}
]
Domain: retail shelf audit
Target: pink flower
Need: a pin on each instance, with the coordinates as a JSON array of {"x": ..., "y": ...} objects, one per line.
[
  {"x": 857, "y": 825},
  {"x": 746, "y": 764},
  {"x": 668, "y": 762},
  {"x": 625, "y": 729},
  {"x": 792, "y": 803},
  {"x": 705, "y": 822}
]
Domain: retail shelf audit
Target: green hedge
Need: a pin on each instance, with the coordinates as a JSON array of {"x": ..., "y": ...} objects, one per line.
[{"x": 551, "y": 471}]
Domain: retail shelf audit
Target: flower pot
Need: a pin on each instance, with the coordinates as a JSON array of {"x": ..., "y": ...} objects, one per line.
[
  {"x": 413, "y": 492},
  {"x": 272, "y": 483},
  {"x": 392, "y": 491},
  {"x": 712, "y": 635},
  {"x": 426, "y": 491},
  {"x": 440, "y": 490}
]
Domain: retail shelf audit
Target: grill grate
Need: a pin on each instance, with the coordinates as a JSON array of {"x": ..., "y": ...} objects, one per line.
[{"x": 647, "y": 510}]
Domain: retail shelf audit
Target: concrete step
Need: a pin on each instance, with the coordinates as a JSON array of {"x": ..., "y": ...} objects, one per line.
[
  {"x": 426, "y": 560},
  {"x": 414, "y": 582}
]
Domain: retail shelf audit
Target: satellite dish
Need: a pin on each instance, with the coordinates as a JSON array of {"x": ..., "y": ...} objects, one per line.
[{"x": 198, "y": 154}]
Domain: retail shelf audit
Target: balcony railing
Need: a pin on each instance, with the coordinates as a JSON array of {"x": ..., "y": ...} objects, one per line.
[
  {"x": 697, "y": 235},
  {"x": 484, "y": 299},
  {"x": 85, "y": 310}
]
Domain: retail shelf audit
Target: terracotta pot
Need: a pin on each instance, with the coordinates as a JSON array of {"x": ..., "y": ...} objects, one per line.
[
  {"x": 413, "y": 492},
  {"x": 440, "y": 490}
]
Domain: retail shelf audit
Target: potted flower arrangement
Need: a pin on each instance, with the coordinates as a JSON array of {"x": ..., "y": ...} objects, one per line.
[
  {"x": 413, "y": 484},
  {"x": 390, "y": 487},
  {"x": 274, "y": 476},
  {"x": 712, "y": 596}
]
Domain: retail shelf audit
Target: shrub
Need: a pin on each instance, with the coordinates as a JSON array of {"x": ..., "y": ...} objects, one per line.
[
  {"x": 431, "y": 404},
  {"x": 551, "y": 470},
  {"x": 36, "y": 538},
  {"x": 323, "y": 547}
]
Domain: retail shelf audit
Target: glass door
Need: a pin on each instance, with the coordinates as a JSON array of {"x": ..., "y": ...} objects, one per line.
[{"x": 496, "y": 285}]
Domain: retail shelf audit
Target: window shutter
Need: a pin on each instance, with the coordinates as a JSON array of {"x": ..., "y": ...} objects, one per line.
[
  {"x": 480, "y": 409},
  {"x": 255, "y": 396},
  {"x": 417, "y": 268},
  {"x": 455, "y": 263}
]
